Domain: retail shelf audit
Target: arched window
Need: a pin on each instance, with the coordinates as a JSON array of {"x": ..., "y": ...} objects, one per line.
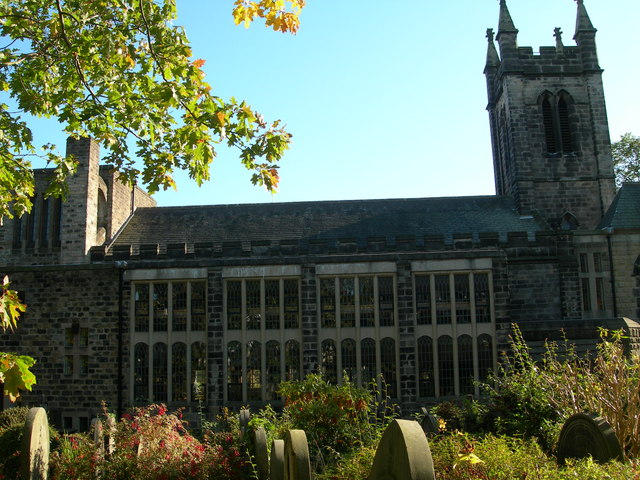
[
  {"x": 485, "y": 357},
  {"x": 198, "y": 371},
  {"x": 368, "y": 360},
  {"x": 349, "y": 367},
  {"x": 445, "y": 366},
  {"x": 426, "y": 386},
  {"x": 160, "y": 372},
  {"x": 179, "y": 372},
  {"x": 141, "y": 372},
  {"x": 329, "y": 366},
  {"x": 254, "y": 372},
  {"x": 388, "y": 365},
  {"x": 465, "y": 365},
  {"x": 556, "y": 121},
  {"x": 234, "y": 371},
  {"x": 273, "y": 369},
  {"x": 292, "y": 360}
]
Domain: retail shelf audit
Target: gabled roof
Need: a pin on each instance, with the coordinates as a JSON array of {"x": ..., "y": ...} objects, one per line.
[
  {"x": 624, "y": 212},
  {"x": 326, "y": 220}
]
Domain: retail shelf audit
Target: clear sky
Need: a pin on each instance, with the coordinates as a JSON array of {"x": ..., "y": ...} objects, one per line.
[{"x": 384, "y": 99}]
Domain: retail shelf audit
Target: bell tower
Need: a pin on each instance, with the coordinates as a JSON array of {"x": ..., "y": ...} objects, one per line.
[{"x": 549, "y": 129}]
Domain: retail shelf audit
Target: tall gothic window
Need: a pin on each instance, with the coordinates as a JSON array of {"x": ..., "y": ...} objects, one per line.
[
  {"x": 556, "y": 121},
  {"x": 168, "y": 325}
]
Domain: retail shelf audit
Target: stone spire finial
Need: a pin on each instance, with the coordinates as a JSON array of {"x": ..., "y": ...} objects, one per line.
[
  {"x": 505, "y": 23},
  {"x": 557, "y": 32},
  {"x": 583, "y": 22},
  {"x": 493, "y": 60}
]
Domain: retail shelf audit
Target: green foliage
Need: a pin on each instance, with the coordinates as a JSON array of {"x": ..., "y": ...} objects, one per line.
[
  {"x": 521, "y": 397},
  {"x": 626, "y": 159},
  {"x": 14, "y": 369},
  {"x": 336, "y": 418},
  {"x": 462, "y": 457},
  {"x": 122, "y": 73},
  {"x": 466, "y": 415}
]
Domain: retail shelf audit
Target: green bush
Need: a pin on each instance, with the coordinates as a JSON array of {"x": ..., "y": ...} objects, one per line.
[{"x": 461, "y": 457}]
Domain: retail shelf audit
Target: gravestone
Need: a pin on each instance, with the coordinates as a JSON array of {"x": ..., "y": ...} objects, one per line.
[
  {"x": 98, "y": 435},
  {"x": 585, "y": 435},
  {"x": 245, "y": 416},
  {"x": 110, "y": 436},
  {"x": 297, "y": 465},
  {"x": 276, "y": 465},
  {"x": 403, "y": 454},
  {"x": 429, "y": 423},
  {"x": 261, "y": 453},
  {"x": 35, "y": 446}
]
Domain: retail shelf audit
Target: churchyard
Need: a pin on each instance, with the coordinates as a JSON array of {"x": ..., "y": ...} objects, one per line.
[{"x": 560, "y": 417}]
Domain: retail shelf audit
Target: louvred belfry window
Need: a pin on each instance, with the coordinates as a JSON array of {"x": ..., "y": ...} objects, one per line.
[{"x": 556, "y": 120}]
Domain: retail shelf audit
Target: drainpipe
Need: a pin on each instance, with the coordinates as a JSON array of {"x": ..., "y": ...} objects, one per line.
[
  {"x": 121, "y": 266},
  {"x": 609, "y": 231}
]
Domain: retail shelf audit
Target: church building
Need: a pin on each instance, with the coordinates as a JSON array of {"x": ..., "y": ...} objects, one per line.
[{"x": 132, "y": 303}]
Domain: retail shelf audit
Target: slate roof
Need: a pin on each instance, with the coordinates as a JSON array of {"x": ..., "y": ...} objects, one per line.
[
  {"x": 326, "y": 220},
  {"x": 624, "y": 211}
]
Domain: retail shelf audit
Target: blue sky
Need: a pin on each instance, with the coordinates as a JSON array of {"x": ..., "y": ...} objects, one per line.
[{"x": 384, "y": 99}]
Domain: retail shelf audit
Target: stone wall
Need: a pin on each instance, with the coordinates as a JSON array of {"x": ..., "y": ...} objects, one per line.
[{"x": 61, "y": 303}]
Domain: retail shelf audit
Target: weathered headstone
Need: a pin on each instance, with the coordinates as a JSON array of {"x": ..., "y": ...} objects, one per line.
[
  {"x": 261, "y": 453},
  {"x": 276, "y": 465},
  {"x": 245, "y": 416},
  {"x": 585, "y": 435},
  {"x": 98, "y": 435},
  {"x": 297, "y": 465},
  {"x": 109, "y": 437},
  {"x": 429, "y": 423},
  {"x": 403, "y": 454},
  {"x": 35, "y": 446}
]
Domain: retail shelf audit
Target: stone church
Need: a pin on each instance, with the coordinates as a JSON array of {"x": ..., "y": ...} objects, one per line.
[{"x": 131, "y": 303}]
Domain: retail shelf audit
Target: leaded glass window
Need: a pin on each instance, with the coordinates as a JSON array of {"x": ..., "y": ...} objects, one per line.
[
  {"x": 253, "y": 304},
  {"x": 198, "y": 306},
  {"x": 273, "y": 369},
  {"x": 199, "y": 371},
  {"x": 347, "y": 302},
  {"x": 385, "y": 301},
  {"x": 482, "y": 297},
  {"x": 388, "y": 365},
  {"x": 141, "y": 372},
  {"x": 179, "y": 310},
  {"x": 485, "y": 357},
  {"x": 443, "y": 299},
  {"x": 292, "y": 360},
  {"x": 423, "y": 299},
  {"x": 329, "y": 365},
  {"x": 179, "y": 372},
  {"x": 328, "y": 302},
  {"x": 160, "y": 306},
  {"x": 291, "y": 303},
  {"x": 234, "y": 304},
  {"x": 349, "y": 362},
  {"x": 367, "y": 305},
  {"x": 368, "y": 361},
  {"x": 254, "y": 371},
  {"x": 463, "y": 305},
  {"x": 445, "y": 366},
  {"x": 426, "y": 385},
  {"x": 272, "y": 304},
  {"x": 141, "y": 308},
  {"x": 465, "y": 365},
  {"x": 234, "y": 371},
  {"x": 160, "y": 372}
]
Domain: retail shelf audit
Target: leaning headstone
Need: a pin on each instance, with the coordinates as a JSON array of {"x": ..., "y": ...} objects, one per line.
[
  {"x": 297, "y": 465},
  {"x": 403, "y": 454},
  {"x": 585, "y": 435},
  {"x": 429, "y": 423},
  {"x": 245, "y": 416},
  {"x": 261, "y": 453},
  {"x": 276, "y": 465},
  {"x": 35, "y": 446}
]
